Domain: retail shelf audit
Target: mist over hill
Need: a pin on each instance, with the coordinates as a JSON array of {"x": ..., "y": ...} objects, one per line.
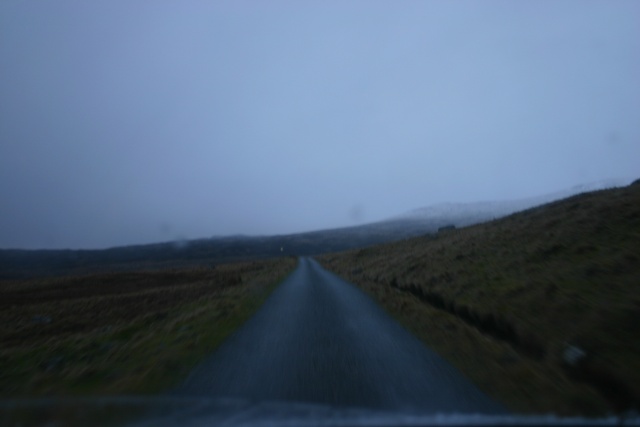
[
  {"x": 15, "y": 264},
  {"x": 463, "y": 214}
]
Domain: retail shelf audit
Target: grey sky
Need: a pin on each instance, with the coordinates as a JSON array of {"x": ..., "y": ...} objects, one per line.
[{"x": 127, "y": 122}]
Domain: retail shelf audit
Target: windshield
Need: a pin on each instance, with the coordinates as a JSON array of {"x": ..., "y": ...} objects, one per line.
[{"x": 365, "y": 212}]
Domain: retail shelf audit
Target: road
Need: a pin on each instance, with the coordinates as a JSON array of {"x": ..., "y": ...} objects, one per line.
[{"x": 320, "y": 340}]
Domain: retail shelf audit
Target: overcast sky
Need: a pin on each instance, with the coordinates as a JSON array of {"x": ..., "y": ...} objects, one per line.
[{"x": 125, "y": 122}]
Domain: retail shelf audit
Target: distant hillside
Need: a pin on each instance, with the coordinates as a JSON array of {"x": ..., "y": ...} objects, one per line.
[
  {"x": 541, "y": 308},
  {"x": 463, "y": 214},
  {"x": 27, "y": 263},
  {"x": 16, "y": 264}
]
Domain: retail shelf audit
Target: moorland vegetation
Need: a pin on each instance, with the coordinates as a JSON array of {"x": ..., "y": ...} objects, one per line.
[
  {"x": 541, "y": 308},
  {"x": 123, "y": 332}
]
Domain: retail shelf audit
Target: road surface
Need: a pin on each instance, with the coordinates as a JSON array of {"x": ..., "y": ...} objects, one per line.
[{"x": 319, "y": 339}]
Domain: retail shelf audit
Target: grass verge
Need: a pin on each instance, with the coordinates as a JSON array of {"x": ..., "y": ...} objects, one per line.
[
  {"x": 123, "y": 333},
  {"x": 541, "y": 309}
]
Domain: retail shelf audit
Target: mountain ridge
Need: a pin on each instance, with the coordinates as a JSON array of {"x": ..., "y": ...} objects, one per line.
[{"x": 20, "y": 263}]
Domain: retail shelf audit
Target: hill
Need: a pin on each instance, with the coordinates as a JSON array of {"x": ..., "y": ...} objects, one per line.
[
  {"x": 22, "y": 264},
  {"x": 540, "y": 308}
]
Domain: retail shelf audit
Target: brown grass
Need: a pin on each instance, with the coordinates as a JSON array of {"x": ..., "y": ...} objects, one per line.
[
  {"x": 504, "y": 300},
  {"x": 114, "y": 333}
]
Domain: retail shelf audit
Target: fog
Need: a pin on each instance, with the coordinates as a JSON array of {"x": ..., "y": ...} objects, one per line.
[{"x": 134, "y": 122}]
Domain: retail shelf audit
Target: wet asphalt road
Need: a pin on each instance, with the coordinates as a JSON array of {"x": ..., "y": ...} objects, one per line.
[{"x": 319, "y": 339}]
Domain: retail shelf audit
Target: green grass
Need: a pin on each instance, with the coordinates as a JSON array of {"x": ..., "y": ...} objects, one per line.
[
  {"x": 123, "y": 333},
  {"x": 504, "y": 300}
]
